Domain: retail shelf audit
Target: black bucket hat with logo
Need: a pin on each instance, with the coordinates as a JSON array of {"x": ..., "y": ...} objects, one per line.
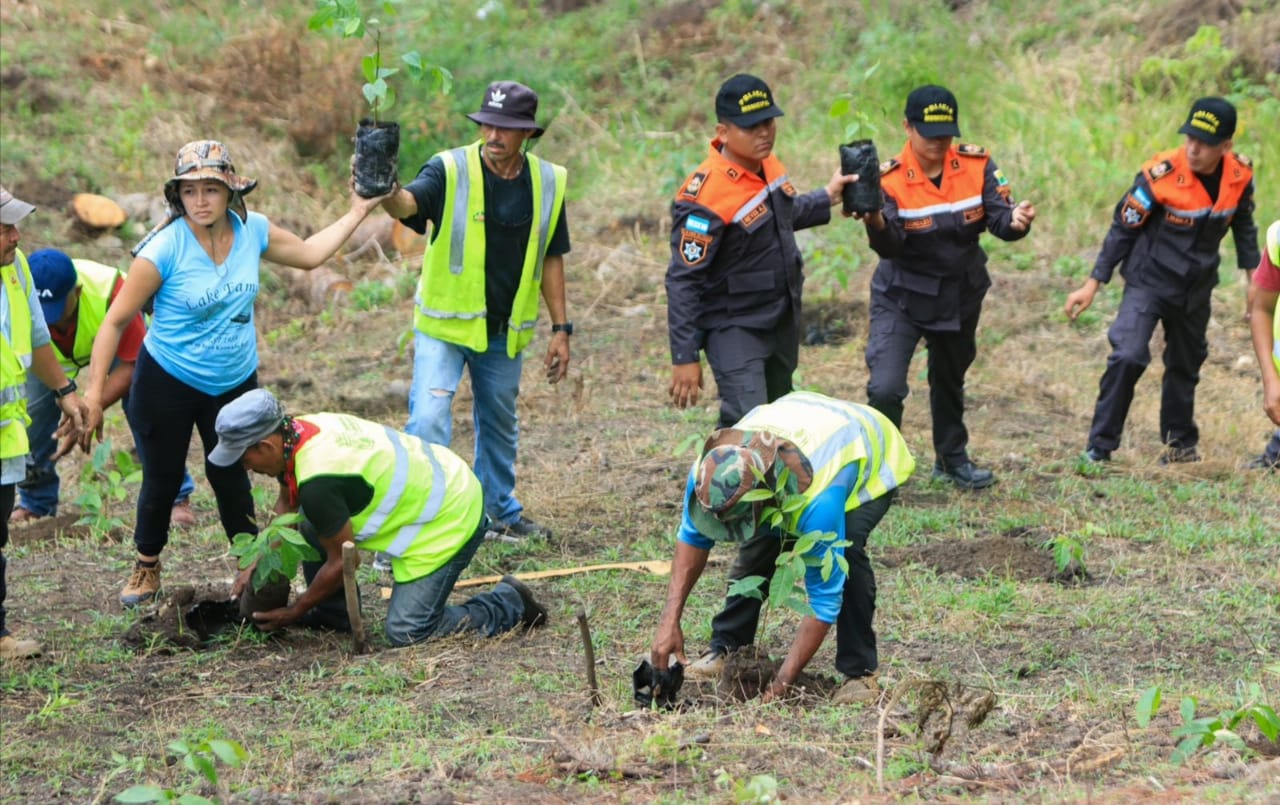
[{"x": 509, "y": 105}]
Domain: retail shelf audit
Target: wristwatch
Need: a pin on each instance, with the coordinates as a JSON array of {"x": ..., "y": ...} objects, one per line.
[
  {"x": 566, "y": 328},
  {"x": 58, "y": 394}
]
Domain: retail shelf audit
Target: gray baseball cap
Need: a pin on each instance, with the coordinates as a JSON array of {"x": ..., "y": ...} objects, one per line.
[
  {"x": 13, "y": 210},
  {"x": 242, "y": 423}
]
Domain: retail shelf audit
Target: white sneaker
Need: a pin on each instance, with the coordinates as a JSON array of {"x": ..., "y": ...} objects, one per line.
[{"x": 708, "y": 666}]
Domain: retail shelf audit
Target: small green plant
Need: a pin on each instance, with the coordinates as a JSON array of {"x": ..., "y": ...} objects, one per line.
[
  {"x": 201, "y": 759},
  {"x": 1068, "y": 549},
  {"x": 105, "y": 480},
  {"x": 759, "y": 790},
  {"x": 1205, "y": 731},
  {"x": 274, "y": 552},
  {"x": 350, "y": 20},
  {"x": 858, "y": 122}
]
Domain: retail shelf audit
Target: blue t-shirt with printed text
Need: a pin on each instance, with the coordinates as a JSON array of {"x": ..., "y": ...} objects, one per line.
[{"x": 202, "y": 329}]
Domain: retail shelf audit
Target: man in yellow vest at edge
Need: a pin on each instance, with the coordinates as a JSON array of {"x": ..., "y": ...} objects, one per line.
[
  {"x": 75, "y": 295},
  {"x": 1264, "y": 322},
  {"x": 384, "y": 490},
  {"x": 498, "y": 239},
  {"x": 24, "y": 347}
]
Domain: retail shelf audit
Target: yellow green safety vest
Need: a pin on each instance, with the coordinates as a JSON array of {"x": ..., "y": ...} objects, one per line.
[
  {"x": 15, "y": 358},
  {"x": 96, "y": 283},
  {"x": 833, "y": 433},
  {"x": 426, "y": 501},
  {"x": 450, "y": 301},
  {"x": 1273, "y": 252}
]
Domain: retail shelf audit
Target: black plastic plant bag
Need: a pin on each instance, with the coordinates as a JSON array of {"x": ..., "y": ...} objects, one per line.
[
  {"x": 863, "y": 195},
  {"x": 377, "y": 153}
]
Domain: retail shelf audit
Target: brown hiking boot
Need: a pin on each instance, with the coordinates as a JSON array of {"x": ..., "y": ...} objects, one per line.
[
  {"x": 858, "y": 689},
  {"x": 11, "y": 648},
  {"x": 142, "y": 587},
  {"x": 19, "y": 516},
  {"x": 181, "y": 516}
]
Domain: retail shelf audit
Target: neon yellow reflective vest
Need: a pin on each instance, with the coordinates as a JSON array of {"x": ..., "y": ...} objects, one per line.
[
  {"x": 833, "y": 433},
  {"x": 15, "y": 357},
  {"x": 1273, "y": 252},
  {"x": 426, "y": 501},
  {"x": 96, "y": 282},
  {"x": 450, "y": 299}
]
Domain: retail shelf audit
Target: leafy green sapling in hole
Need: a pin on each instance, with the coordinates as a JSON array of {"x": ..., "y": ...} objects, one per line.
[
  {"x": 349, "y": 19},
  {"x": 782, "y": 514},
  {"x": 275, "y": 552}
]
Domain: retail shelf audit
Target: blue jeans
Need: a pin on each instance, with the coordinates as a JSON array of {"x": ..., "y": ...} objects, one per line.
[
  {"x": 420, "y": 610},
  {"x": 39, "y": 492},
  {"x": 495, "y": 383}
]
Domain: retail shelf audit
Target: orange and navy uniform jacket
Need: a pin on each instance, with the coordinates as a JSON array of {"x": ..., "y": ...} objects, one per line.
[
  {"x": 1167, "y": 229},
  {"x": 931, "y": 265},
  {"x": 734, "y": 258}
]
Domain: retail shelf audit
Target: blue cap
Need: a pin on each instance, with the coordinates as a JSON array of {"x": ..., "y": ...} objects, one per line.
[{"x": 55, "y": 278}]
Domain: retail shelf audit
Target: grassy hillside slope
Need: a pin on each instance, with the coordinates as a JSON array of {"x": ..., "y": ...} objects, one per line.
[{"x": 1183, "y": 563}]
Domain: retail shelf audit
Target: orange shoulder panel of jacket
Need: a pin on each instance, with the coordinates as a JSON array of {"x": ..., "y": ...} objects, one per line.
[{"x": 721, "y": 188}]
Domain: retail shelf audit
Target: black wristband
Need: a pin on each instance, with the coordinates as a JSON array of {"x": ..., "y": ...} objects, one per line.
[
  {"x": 566, "y": 328},
  {"x": 70, "y": 388}
]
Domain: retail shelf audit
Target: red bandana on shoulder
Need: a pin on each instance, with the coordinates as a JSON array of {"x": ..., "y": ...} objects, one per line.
[{"x": 302, "y": 431}]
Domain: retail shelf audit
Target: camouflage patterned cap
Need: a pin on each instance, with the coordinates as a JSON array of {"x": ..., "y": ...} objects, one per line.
[
  {"x": 201, "y": 159},
  {"x": 728, "y": 470}
]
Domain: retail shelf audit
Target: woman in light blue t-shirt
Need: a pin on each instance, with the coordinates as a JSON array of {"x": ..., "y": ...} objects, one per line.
[{"x": 201, "y": 269}]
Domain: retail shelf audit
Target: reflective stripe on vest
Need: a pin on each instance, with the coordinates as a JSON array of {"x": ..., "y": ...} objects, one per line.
[
  {"x": 426, "y": 502},
  {"x": 1273, "y": 252},
  {"x": 15, "y": 356},
  {"x": 96, "y": 283},
  {"x": 832, "y": 433},
  {"x": 450, "y": 302}
]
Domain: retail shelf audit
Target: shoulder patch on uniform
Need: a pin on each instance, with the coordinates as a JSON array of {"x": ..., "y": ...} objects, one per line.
[
  {"x": 971, "y": 150},
  {"x": 888, "y": 165},
  {"x": 694, "y": 186},
  {"x": 1162, "y": 168},
  {"x": 1242, "y": 159}
]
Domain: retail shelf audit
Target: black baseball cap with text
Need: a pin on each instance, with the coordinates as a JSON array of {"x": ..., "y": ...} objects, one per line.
[
  {"x": 745, "y": 101},
  {"x": 1211, "y": 120},
  {"x": 933, "y": 111}
]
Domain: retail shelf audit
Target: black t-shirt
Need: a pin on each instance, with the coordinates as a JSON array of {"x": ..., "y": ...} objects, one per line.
[
  {"x": 1212, "y": 181},
  {"x": 327, "y": 501},
  {"x": 508, "y": 214}
]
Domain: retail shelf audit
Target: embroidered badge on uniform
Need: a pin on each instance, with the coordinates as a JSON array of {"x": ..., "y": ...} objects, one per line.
[
  {"x": 1176, "y": 220},
  {"x": 971, "y": 150},
  {"x": 974, "y": 214},
  {"x": 789, "y": 189},
  {"x": 760, "y": 211},
  {"x": 888, "y": 165},
  {"x": 694, "y": 187},
  {"x": 693, "y": 247},
  {"x": 1242, "y": 159},
  {"x": 1133, "y": 214},
  {"x": 732, "y": 173},
  {"x": 1159, "y": 169},
  {"x": 917, "y": 224},
  {"x": 697, "y": 224},
  {"x": 1000, "y": 180}
]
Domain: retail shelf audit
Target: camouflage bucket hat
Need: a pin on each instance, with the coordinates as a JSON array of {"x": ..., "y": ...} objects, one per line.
[
  {"x": 207, "y": 159},
  {"x": 201, "y": 159},
  {"x": 728, "y": 470}
]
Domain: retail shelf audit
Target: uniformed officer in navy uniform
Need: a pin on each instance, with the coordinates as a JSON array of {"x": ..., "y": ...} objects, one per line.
[
  {"x": 1165, "y": 235},
  {"x": 932, "y": 275}
]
